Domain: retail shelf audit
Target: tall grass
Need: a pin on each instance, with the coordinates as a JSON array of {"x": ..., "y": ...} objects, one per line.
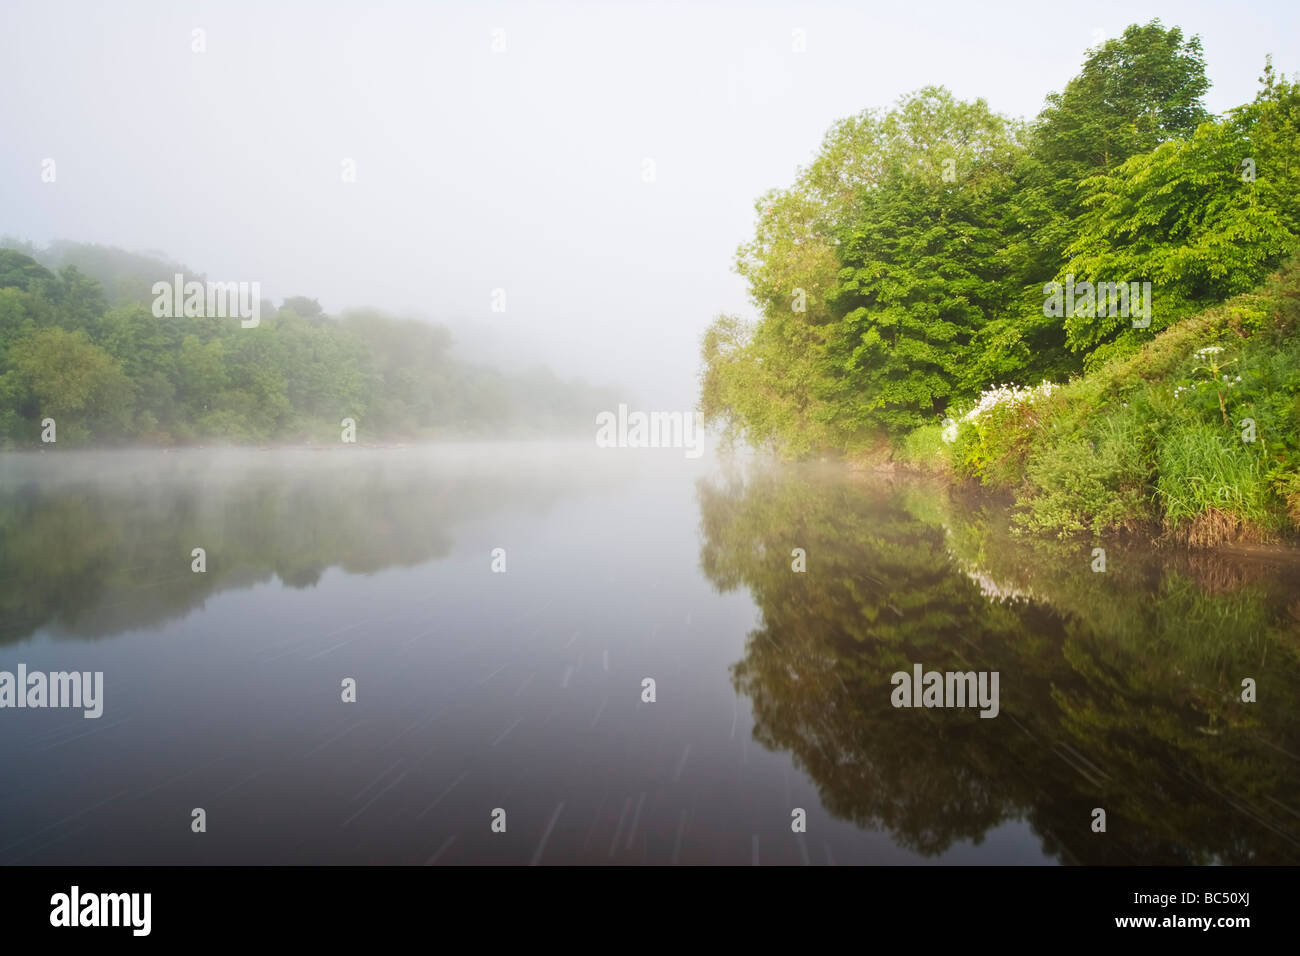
[
  {"x": 1212, "y": 488},
  {"x": 1157, "y": 440}
]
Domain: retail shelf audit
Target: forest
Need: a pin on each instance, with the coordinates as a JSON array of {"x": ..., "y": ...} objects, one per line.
[
  {"x": 80, "y": 344},
  {"x": 909, "y": 289}
]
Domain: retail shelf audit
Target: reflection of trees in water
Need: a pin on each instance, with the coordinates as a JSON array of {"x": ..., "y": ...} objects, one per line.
[
  {"x": 102, "y": 554},
  {"x": 1118, "y": 690}
]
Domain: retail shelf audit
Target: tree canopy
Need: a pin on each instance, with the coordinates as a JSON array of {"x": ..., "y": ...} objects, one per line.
[
  {"x": 108, "y": 370},
  {"x": 907, "y": 268}
]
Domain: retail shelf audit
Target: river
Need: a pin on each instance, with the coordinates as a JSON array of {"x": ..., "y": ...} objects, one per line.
[{"x": 498, "y": 610}]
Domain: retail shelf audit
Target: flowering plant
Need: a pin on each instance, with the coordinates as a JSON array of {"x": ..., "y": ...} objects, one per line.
[
  {"x": 987, "y": 433},
  {"x": 1006, "y": 396},
  {"x": 1213, "y": 368}
]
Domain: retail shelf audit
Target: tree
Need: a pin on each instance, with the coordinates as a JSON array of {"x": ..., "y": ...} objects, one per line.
[
  {"x": 78, "y": 299},
  {"x": 20, "y": 271},
  {"x": 1186, "y": 219},
  {"x": 922, "y": 273},
  {"x": 1134, "y": 93},
  {"x": 60, "y": 374},
  {"x": 811, "y": 372},
  {"x": 303, "y": 306}
]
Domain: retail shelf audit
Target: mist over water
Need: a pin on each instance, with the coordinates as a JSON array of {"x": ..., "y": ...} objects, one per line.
[{"x": 522, "y": 689}]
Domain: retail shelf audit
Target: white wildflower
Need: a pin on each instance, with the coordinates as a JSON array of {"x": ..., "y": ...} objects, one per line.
[{"x": 1008, "y": 395}]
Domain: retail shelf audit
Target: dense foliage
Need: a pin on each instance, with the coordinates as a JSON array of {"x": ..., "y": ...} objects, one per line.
[
  {"x": 906, "y": 270},
  {"x": 1196, "y": 436},
  {"x": 80, "y": 344}
]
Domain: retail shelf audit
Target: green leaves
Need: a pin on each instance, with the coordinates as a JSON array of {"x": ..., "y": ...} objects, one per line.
[
  {"x": 1135, "y": 92},
  {"x": 63, "y": 375},
  {"x": 923, "y": 237},
  {"x": 1182, "y": 217},
  {"x": 126, "y": 375},
  {"x": 921, "y": 276}
]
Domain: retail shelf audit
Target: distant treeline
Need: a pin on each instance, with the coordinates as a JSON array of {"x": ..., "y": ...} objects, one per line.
[{"x": 80, "y": 344}]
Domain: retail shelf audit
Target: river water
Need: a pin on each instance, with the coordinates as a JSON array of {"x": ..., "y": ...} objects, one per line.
[{"x": 500, "y": 609}]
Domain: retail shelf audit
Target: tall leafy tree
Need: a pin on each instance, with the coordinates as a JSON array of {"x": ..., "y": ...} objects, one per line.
[
  {"x": 922, "y": 273},
  {"x": 1135, "y": 92},
  {"x": 818, "y": 269},
  {"x": 20, "y": 271},
  {"x": 1202, "y": 219},
  {"x": 62, "y": 375}
]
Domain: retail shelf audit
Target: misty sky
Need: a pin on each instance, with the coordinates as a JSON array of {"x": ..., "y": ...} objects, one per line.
[{"x": 519, "y": 170}]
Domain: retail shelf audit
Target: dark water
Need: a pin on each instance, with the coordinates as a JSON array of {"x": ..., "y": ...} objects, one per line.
[{"x": 523, "y": 690}]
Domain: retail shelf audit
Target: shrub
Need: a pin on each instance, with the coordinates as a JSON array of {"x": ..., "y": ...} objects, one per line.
[
  {"x": 1097, "y": 484},
  {"x": 993, "y": 437}
]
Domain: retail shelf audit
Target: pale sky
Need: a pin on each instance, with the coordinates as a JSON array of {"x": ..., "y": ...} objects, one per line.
[{"x": 520, "y": 170}]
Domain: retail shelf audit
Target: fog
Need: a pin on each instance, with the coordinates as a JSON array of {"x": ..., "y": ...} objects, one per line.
[{"x": 521, "y": 168}]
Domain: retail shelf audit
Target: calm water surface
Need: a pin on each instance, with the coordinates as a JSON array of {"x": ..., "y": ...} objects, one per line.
[{"x": 523, "y": 690}]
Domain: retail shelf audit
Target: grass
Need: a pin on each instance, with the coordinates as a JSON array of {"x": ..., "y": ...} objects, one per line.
[
  {"x": 1195, "y": 438},
  {"x": 1212, "y": 489},
  {"x": 924, "y": 448}
]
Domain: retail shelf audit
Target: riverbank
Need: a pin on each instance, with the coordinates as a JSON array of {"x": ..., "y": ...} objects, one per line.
[{"x": 1194, "y": 439}]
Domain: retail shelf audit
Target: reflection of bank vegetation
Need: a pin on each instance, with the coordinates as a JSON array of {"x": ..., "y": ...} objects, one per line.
[
  {"x": 1119, "y": 690},
  {"x": 111, "y": 550}
]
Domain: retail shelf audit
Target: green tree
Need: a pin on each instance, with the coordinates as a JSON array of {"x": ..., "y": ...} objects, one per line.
[
  {"x": 78, "y": 300},
  {"x": 922, "y": 273},
  {"x": 1135, "y": 92},
  {"x": 62, "y": 375},
  {"x": 1187, "y": 218},
  {"x": 812, "y": 372},
  {"x": 19, "y": 271}
]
